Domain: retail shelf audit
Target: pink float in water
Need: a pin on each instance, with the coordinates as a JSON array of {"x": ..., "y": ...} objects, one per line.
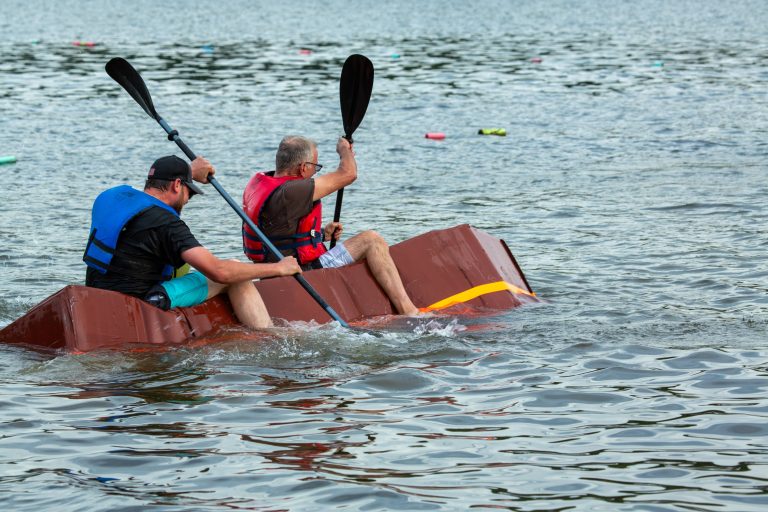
[
  {"x": 304, "y": 51},
  {"x": 435, "y": 135},
  {"x": 84, "y": 43},
  {"x": 536, "y": 60}
]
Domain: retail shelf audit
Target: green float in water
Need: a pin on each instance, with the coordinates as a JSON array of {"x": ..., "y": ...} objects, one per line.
[
  {"x": 493, "y": 131},
  {"x": 7, "y": 160}
]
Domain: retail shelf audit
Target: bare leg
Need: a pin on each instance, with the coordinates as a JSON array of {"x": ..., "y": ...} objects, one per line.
[
  {"x": 246, "y": 301},
  {"x": 248, "y": 305},
  {"x": 215, "y": 288},
  {"x": 371, "y": 246}
]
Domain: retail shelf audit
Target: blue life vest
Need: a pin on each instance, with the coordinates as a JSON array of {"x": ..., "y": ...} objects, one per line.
[{"x": 111, "y": 211}]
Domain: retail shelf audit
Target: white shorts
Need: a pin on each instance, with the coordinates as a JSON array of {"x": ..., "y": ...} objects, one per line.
[{"x": 336, "y": 257}]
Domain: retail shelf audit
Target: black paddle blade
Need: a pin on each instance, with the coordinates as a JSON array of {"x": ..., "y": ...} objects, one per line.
[
  {"x": 130, "y": 80},
  {"x": 355, "y": 91}
]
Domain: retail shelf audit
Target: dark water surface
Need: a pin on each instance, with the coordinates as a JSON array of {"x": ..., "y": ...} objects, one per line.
[{"x": 631, "y": 187}]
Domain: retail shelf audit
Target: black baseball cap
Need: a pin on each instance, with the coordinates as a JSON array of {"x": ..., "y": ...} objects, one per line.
[{"x": 169, "y": 168}]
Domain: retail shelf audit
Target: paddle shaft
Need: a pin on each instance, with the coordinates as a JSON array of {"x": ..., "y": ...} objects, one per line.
[
  {"x": 173, "y": 135},
  {"x": 337, "y": 213}
]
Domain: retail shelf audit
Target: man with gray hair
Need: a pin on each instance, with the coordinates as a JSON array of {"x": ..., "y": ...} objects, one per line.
[{"x": 286, "y": 206}]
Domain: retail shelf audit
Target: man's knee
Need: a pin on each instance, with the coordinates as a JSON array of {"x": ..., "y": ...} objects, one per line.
[
  {"x": 373, "y": 239},
  {"x": 215, "y": 288},
  {"x": 365, "y": 243},
  {"x": 237, "y": 288}
]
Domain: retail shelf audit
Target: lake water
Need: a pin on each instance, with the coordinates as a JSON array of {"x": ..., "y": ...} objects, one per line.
[{"x": 631, "y": 186}]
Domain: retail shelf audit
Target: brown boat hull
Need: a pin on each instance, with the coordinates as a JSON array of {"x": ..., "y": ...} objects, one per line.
[{"x": 434, "y": 266}]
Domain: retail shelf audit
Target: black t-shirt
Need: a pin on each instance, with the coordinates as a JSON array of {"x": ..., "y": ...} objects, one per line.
[{"x": 152, "y": 239}]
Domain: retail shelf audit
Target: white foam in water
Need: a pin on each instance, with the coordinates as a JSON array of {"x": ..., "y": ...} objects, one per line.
[{"x": 435, "y": 327}]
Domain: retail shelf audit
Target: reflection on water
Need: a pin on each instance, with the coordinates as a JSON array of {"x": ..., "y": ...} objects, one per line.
[{"x": 578, "y": 426}]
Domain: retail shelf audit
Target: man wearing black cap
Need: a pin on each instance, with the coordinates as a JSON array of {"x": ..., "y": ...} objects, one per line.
[{"x": 137, "y": 240}]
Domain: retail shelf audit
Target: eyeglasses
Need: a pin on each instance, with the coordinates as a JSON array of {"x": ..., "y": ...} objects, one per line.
[{"x": 318, "y": 167}]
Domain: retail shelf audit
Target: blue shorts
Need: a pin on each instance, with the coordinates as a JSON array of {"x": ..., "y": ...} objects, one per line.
[
  {"x": 188, "y": 290},
  {"x": 337, "y": 257}
]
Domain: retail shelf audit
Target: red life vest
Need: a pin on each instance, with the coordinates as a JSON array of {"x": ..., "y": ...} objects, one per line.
[{"x": 306, "y": 243}]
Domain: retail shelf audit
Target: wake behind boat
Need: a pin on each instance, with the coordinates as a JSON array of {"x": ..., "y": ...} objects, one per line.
[{"x": 456, "y": 267}]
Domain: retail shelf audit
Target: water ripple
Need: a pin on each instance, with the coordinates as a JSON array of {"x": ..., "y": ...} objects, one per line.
[{"x": 630, "y": 187}]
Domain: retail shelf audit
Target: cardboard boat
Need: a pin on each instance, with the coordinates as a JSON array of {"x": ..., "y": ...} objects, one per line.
[{"x": 459, "y": 267}]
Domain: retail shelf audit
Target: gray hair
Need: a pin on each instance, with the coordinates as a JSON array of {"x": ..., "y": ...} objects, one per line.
[{"x": 293, "y": 150}]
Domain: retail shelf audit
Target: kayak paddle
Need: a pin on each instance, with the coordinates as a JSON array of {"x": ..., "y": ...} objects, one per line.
[
  {"x": 355, "y": 89},
  {"x": 130, "y": 80}
]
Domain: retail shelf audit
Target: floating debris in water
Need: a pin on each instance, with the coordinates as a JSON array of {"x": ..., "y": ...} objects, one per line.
[
  {"x": 89, "y": 44},
  {"x": 658, "y": 64},
  {"x": 305, "y": 51},
  {"x": 435, "y": 136},
  {"x": 536, "y": 60},
  {"x": 207, "y": 48},
  {"x": 7, "y": 160},
  {"x": 501, "y": 132}
]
